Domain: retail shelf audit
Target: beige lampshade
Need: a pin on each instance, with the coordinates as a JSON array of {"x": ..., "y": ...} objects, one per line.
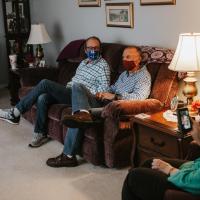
[
  {"x": 38, "y": 35},
  {"x": 187, "y": 55}
]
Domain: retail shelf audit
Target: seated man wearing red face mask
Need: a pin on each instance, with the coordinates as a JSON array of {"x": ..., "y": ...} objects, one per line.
[{"x": 133, "y": 84}]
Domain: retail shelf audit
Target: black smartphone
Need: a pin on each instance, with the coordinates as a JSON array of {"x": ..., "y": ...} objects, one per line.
[{"x": 184, "y": 121}]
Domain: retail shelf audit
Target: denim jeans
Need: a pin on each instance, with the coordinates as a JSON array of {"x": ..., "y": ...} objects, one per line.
[
  {"x": 48, "y": 92},
  {"x": 44, "y": 94},
  {"x": 81, "y": 99}
]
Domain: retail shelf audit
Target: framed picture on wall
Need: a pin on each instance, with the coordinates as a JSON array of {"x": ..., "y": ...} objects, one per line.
[
  {"x": 89, "y": 3},
  {"x": 21, "y": 9},
  {"x": 119, "y": 14},
  {"x": 157, "y": 2}
]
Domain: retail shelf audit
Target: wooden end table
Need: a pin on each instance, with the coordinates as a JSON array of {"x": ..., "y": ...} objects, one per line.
[{"x": 156, "y": 137}]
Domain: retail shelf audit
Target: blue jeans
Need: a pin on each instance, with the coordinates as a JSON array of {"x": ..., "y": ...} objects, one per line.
[
  {"x": 47, "y": 92},
  {"x": 82, "y": 98},
  {"x": 44, "y": 94}
]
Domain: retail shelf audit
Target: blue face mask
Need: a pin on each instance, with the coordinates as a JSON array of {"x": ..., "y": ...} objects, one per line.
[{"x": 92, "y": 54}]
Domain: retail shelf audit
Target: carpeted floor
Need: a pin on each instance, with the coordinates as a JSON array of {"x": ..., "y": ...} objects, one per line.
[{"x": 25, "y": 176}]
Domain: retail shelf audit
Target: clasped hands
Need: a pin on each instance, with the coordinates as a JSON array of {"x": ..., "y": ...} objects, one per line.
[
  {"x": 105, "y": 96},
  {"x": 163, "y": 166}
]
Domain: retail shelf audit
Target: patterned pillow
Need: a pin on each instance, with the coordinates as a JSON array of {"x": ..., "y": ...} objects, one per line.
[{"x": 156, "y": 55}]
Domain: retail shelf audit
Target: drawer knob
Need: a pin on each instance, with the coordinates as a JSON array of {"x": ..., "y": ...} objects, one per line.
[{"x": 160, "y": 144}]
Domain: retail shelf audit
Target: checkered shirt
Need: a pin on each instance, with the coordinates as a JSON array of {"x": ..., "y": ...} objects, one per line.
[
  {"x": 94, "y": 75},
  {"x": 133, "y": 85}
]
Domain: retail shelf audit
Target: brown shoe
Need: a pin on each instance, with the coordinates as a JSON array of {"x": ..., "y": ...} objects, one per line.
[
  {"x": 62, "y": 161},
  {"x": 79, "y": 120}
]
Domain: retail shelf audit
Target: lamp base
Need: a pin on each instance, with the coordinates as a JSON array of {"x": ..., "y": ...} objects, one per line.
[
  {"x": 189, "y": 91},
  {"x": 39, "y": 54}
]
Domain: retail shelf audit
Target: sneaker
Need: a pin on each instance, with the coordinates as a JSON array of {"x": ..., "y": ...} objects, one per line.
[
  {"x": 79, "y": 120},
  {"x": 38, "y": 140},
  {"x": 62, "y": 161},
  {"x": 8, "y": 115}
]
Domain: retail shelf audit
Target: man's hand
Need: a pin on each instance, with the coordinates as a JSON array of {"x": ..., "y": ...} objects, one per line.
[
  {"x": 195, "y": 132},
  {"x": 163, "y": 166},
  {"x": 105, "y": 95}
]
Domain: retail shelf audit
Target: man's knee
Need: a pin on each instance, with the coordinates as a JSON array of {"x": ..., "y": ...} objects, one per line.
[
  {"x": 78, "y": 86},
  {"x": 42, "y": 99},
  {"x": 44, "y": 82}
]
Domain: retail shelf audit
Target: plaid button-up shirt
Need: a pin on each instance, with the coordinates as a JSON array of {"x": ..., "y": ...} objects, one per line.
[
  {"x": 94, "y": 75},
  {"x": 133, "y": 85}
]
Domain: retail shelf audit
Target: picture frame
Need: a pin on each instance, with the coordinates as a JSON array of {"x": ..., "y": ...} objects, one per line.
[
  {"x": 42, "y": 63},
  {"x": 157, "y": 2},
  {"x": 89, "y": 3},
  {"x": 10, "y": 25},
  {"x": 21, "y": 9},
  {"x": 119, "y": 15}
]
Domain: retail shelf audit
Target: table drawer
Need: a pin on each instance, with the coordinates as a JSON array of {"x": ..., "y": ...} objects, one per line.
[
  {"x": 157, "y": 141},
  {"x": 144, "y": 154}
]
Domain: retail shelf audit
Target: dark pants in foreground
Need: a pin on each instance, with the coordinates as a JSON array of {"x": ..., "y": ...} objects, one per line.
[{"x": 145, "y": 183}]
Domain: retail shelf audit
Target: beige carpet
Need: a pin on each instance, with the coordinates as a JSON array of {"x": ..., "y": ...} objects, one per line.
[{"x": 25, "y": 176}]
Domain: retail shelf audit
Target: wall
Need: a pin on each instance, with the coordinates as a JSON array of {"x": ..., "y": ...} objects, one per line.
[
  {"x": 3, "y": 53},
  {"x": 153, "y": 25}
]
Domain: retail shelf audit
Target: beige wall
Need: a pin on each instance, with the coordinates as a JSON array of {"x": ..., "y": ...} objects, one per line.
[{"x": 154, "y": 25}]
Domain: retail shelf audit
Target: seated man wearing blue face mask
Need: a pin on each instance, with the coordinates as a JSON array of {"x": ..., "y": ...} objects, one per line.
[
  {"x": 93, "y": 74},
  {"x": 133, "y": 84}
]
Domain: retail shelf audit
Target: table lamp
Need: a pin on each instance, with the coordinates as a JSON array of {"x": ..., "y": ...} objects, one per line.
[
  {"x": 187, "y": 59},
  {"x": 38, "y": 36}
]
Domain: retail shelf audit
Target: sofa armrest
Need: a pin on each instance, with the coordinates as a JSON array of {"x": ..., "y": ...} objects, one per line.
[
  {"x": 193, "y": 151},
  {"x": 31, "y": 76},
  {"x": 116, "y": 109},
  {"x": 179, "y": 195}
]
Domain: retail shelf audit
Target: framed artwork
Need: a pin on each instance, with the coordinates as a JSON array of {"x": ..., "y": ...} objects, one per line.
[
  {"x": 89, "y": 3},
  {"x": 157, "y": 2},
  {"x": 119, "y": 14},
  {"x": 21, "y": 9}
]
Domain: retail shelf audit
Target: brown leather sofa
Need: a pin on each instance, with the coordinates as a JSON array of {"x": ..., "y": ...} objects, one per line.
[
  {"x": 108, "y": 143},
  {"x": 193, "y": 153}
]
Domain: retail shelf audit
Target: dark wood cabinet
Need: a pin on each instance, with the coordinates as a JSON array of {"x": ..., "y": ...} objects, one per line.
[
  {"x": 17, "y": 27},
  {"x": 14, "y": 86},
  {"x": 156, "y": 137}
]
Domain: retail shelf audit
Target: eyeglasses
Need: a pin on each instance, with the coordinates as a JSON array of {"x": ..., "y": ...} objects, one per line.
[{"x": 93, "y": 48}]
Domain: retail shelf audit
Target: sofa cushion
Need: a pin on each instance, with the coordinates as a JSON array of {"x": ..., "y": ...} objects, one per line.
[
  {"x": 164, "y": 91},
  {"x": 153, "y": 69},
  {"x": 24, "y": 91},
  {"x": 110, "y": 51},
  {"x": 156, "y": 55},
  {"x": 71, "y": 50},
  {"x": 56, "y": 111},
  {"x": 67, "y": 70}
]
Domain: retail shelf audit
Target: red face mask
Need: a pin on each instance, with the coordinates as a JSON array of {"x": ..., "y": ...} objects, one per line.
[{"x": 128, "y": 65}]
